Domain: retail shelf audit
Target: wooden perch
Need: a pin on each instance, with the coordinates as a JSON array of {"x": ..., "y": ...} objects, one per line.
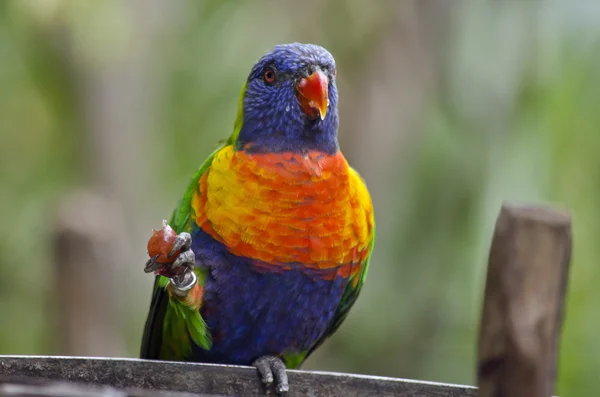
[
  {"x": 523, "y": 304},
  {"x": 12, "y": 386},
  {"x": 212, "y": 380}
]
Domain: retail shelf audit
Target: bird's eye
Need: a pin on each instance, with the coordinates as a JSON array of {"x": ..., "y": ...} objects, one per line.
[{"x": 269, "y": 76}]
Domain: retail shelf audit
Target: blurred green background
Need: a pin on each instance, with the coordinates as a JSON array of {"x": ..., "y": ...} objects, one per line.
[{"x": 447, "y": 108}]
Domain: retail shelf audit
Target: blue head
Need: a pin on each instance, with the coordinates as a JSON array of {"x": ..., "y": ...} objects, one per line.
[{"x": 290, "y": 102}]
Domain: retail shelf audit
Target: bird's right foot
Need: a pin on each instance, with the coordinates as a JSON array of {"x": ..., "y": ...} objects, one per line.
[{"x": 272, "y": 369}]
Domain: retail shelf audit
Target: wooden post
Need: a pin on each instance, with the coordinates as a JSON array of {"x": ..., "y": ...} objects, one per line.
[
  {"x": 86, "y": 230},
  {"x": 523, "y": 304}
]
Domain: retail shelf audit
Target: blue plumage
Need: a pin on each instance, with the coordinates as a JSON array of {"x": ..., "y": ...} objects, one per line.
[{"x": 252, "y": 313}]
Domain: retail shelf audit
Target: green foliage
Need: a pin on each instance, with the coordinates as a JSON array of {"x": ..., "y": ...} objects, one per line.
[{"x": 513, "y": 116}]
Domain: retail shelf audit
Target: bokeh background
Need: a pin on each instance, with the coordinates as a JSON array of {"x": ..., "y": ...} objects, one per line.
[{"x": 447, "y": 108}]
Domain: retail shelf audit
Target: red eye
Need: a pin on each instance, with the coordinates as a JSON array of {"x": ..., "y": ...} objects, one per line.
[{"x": 269, "y": 76}]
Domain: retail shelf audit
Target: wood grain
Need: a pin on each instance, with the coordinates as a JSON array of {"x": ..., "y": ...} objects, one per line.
[
  {"x": 523, "y": 304},
  {"x": 215, "y": 380}
]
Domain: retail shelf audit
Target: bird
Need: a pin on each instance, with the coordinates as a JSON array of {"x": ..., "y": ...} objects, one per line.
[{"x": 272, "y": 240}]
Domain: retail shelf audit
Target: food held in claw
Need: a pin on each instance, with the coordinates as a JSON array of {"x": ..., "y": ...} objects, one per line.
[{"x": 161, "y": 243}]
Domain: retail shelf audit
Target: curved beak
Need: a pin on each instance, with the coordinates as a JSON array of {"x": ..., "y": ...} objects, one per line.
[{"x": 313, "y": 94}]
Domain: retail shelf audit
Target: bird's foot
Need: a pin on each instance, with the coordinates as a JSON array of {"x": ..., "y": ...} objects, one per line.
[
  {"x": 184, "y": 282},
  {"x": 176, "y": 263},
  {"x": 272, "y": 369},
  {"x": 178, "y": 256}
]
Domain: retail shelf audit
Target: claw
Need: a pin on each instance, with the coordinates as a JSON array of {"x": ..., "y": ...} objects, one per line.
[
  {"x": 151, "y": 264},
  {"x": 185, "y": 258},
  {"x": 177, "y": 261},
  {"x": 271, "y": 368},
  {"x": 182, "y": 242}
]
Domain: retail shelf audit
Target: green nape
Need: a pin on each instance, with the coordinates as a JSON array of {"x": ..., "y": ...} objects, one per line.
[
  {"x": 294, "y": 360},
  {"x": 239, "y": 120}
]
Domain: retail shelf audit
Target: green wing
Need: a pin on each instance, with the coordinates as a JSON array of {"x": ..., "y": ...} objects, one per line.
[
  {"x": 171, "y": 323},
  {"x": 165, "y": 335}
]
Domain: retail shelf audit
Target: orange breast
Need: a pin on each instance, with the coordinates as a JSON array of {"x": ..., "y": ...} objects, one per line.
[{"x": 286, "y": 209}]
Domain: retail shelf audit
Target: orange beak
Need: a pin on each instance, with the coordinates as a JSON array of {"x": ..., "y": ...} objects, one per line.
[{"x": 313, "y": 94}]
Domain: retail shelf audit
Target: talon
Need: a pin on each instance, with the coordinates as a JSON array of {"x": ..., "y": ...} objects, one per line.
[
  {"x": 151, "y": 264},
  {"x": 183, "y": 242},
  {"x": 264, "y": 370},
  {"x": 271, "y": 368},
  {"x": 186, "y": 259}
]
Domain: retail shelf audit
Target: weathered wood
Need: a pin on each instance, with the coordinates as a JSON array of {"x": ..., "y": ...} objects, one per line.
[
  {"x": 523, "y": 304},
  {"x": 13, "y": 386},
  {"x": 220, "y": 380}
]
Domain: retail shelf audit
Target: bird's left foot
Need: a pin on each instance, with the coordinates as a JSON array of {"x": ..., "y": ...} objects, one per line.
[
  {"x": 171, "y": 256},
  {"x": 272, "y": 368}
]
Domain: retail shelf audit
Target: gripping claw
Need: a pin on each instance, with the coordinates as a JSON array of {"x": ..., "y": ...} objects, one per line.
[{"x": 272, "y": 369}]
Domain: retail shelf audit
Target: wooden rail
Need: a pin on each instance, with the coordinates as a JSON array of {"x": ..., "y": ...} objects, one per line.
[{"x": 214, "y": 380}]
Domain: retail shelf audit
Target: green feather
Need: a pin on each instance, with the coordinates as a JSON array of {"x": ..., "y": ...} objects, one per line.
[
  {"x": 294, "y": 360},
  {"x": 175, "y": 341},
  {"x": 196, "y": 327}
]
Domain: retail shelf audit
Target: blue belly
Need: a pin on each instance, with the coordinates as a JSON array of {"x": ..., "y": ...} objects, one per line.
[{"x": 252, "y": 313}]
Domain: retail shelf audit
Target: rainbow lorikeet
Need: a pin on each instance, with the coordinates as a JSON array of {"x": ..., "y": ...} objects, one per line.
[{"x": 274, "y": 233}]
